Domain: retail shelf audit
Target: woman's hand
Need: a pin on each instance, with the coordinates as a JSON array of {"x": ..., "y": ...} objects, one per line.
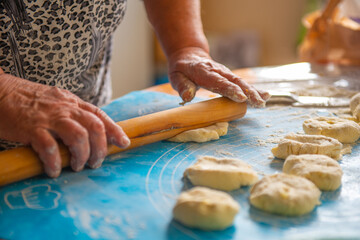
[
  {"x": 178, "y": 26},
  {"x": 190, "y": 68},
  {"x": 37, "y": 114}
]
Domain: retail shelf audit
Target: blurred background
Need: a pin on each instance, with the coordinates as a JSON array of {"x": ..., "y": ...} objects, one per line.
[{"x": 241, "y": 33}]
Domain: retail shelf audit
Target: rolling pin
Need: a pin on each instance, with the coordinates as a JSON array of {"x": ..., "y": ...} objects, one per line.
[{"x": 22, "y": 163}]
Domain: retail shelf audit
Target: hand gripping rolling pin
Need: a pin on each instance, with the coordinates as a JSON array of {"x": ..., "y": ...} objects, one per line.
[{"x": 22, "y": 163}]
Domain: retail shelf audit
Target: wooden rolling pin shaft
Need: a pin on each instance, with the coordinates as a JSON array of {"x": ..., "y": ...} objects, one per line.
[{"x": 22, "y": 163}]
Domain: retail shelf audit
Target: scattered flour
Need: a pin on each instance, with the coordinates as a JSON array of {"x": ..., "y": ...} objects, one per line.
[
  {"x": 324, "y": 91},
  {"x": 226, "y": 153}
]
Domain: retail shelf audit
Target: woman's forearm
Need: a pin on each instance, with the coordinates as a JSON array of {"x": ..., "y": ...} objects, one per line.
[{"x": 177, "y": 24}]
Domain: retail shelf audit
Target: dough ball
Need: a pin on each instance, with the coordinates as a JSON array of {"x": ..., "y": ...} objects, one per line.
[
  {"x": 285, "y": 194},
  {"x": 200, "y": 135},
  {"x": 322, "y": 170},
  {"x": 205, "y": 209},
  {"x": 346, "y": 131},
  {"x": 221, "y": 173},
  {"x": 355, "y": 106},
  {"x": 297, "y": 144}
]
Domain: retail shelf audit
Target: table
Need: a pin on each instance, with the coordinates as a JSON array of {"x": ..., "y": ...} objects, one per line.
[{"x": 132, "y": 195}]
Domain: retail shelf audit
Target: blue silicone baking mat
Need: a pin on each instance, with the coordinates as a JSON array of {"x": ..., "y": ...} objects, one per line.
[{"x": 132, "y": 195}]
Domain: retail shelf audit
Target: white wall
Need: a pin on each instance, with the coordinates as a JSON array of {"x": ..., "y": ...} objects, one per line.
[{"x": 132, "y": 59}]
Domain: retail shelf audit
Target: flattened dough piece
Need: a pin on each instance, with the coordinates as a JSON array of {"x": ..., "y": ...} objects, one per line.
[
  {"x": 346, "y": 131},
  {"x": 205, "y": 209},
  {"x": 322, "y": 170},
  {"x": 355, "y": 106},
  {"x": 200, "y": 135},
  {"x": 285, "y": 194},
  {"x": 297, "y": 144},
  {"x": 221, "y": 173}
]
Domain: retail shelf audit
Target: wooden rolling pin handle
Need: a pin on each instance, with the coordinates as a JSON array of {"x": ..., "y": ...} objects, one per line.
[{"x": 22, "y": 163}]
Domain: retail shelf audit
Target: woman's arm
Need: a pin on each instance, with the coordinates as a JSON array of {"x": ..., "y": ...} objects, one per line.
[
  {"x": 177, "y": 24},
  {"x": 38, "y": 115}
]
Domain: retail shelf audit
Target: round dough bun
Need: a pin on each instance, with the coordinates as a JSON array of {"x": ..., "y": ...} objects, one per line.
[
  {"x": 200, "y": 135},
  {"x": 297, "y": 144},
  {"x": 346, "y": 131},
  {"x": 205, "y": 209},
  {"x": 355, "y": 106},
  {"x": 221, "y": 173},
  {"x": 322, "y": 170},
  {"x": 285, "y": 194}
]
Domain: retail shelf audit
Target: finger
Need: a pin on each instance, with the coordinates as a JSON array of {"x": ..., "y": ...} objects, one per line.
[
  {"x": 185, "y": 87},
  {"x": 253, "y": 95},
  {"x": 45, "y": 145},
  {"x": 97, "y": 137},
  {"x": 265, "y": 95},
  {"x": 76, "y": 138},
  {"x": 115, "y": 134},
  {"x": 218, "y": 84}
]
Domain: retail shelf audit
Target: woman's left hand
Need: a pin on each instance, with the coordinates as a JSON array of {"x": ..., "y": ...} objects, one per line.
[{"x": 190, "y": 68}]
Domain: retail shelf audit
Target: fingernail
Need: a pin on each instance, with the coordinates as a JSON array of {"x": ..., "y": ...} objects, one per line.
[
  {"x": 75, "y": 165},
  {"x": 239, "y": 97},
  {"x": 53, "y": 172},
  {"x": 266, "y": 96},
  {"x": 258, "y": 104},
  {"x": 100, "y": 157},
  {"x": 125, "y": 141},
  {"x": 188, "y": 95},
  {"x": 50, "y": 172},
  {"x": 73, "y": 161},
  {"x": 97, "y": 163},
  {"x": 56, "y": 170}
]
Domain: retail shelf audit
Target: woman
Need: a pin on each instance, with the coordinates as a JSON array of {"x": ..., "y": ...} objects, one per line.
[{"x": 55, "y": 59}]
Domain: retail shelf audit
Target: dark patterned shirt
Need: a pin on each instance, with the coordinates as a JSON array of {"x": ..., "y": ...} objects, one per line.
[
  {"x": 64, "y": 43},
  {"x": 61, "y": 43}
]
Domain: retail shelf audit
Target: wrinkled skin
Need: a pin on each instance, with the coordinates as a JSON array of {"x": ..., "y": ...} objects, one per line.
[
  {"x": 190, "y": 68},
  {"x": 37, "y": 115}
]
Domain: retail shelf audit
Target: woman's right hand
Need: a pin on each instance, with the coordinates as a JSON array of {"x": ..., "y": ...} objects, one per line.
[{"x": 37, "y": 114}]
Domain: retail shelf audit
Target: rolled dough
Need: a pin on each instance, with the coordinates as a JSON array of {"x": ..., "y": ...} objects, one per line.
[
  {"x": 200, "y": 135},
  {"x": 285, "y": 194},
  {"x": 346, "y": 131},
  {"x": 297, "y": 144},
  {"x": 221, "y": 173},
  {"x": 322, "y": 170},
  {"x": 205, "y": 209}
]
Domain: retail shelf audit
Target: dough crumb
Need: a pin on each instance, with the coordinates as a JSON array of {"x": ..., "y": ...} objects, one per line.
[
  {"x": 201, "y": 135},
  {"x": 205, "y": 209},
  {"x": 221, "y": 173}
]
